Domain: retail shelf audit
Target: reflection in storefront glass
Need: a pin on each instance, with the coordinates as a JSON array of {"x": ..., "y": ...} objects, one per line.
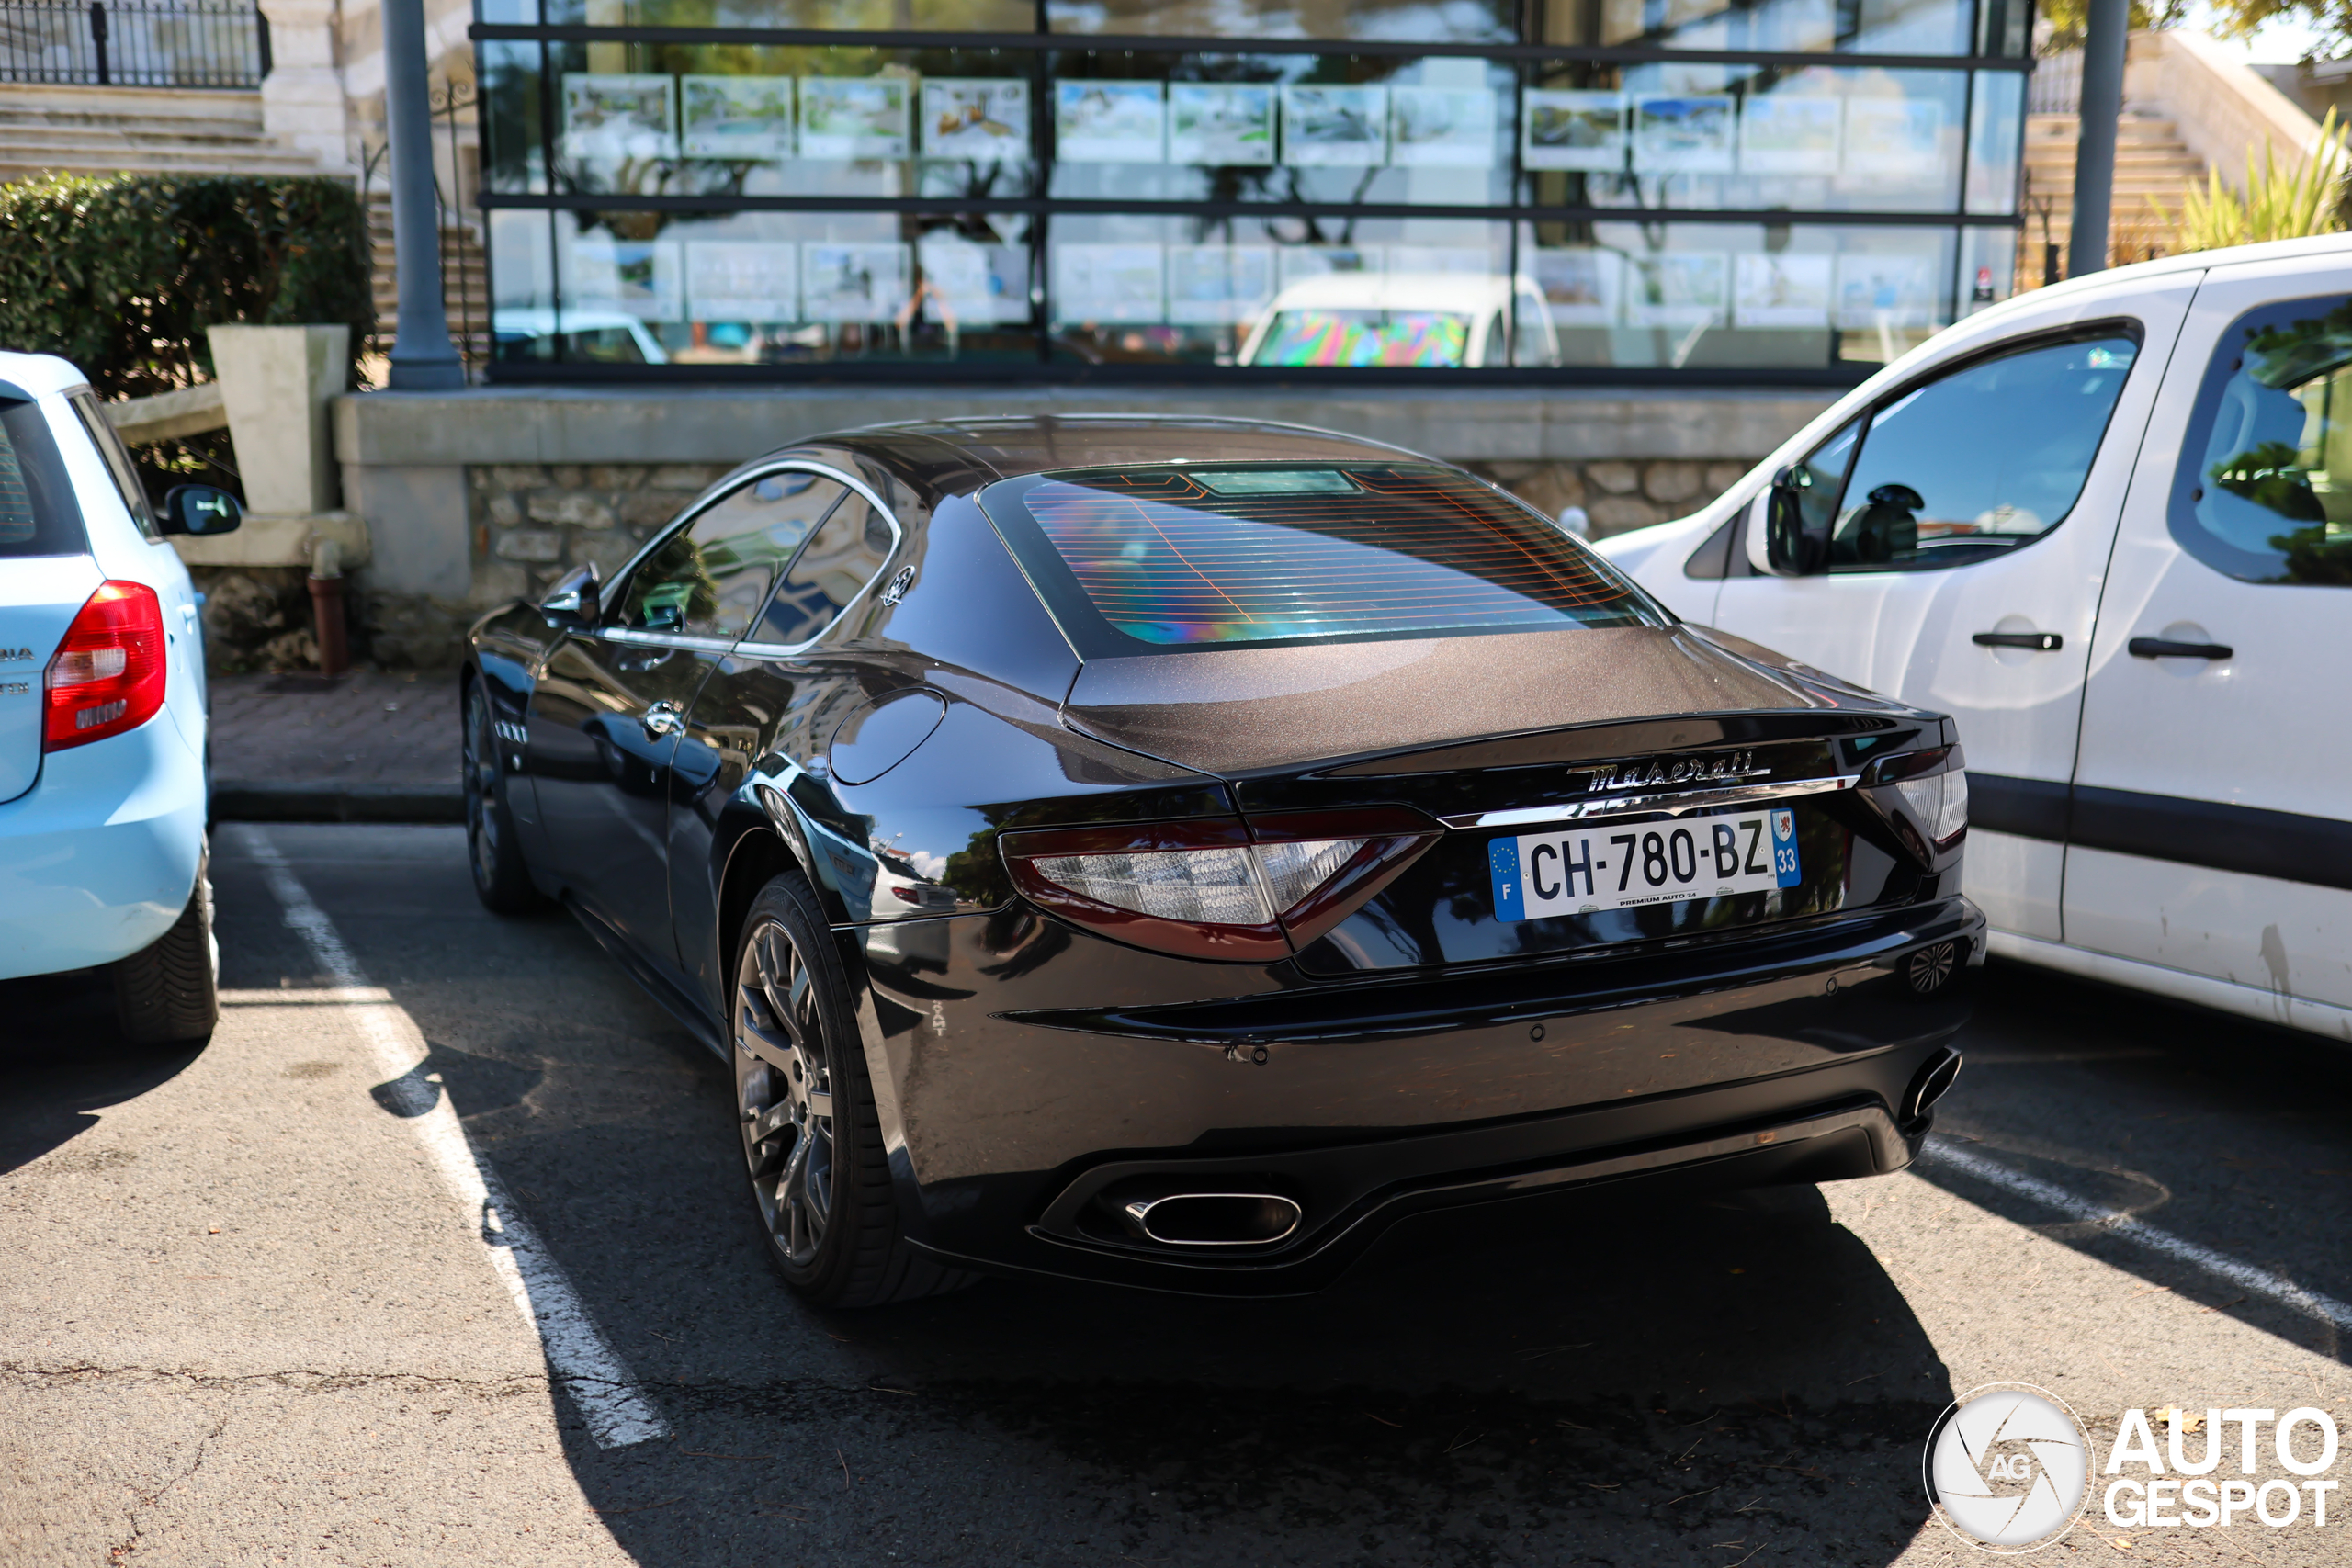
[
  {"x": 1401, "y": 21},
  {"x": 1871, "y": 27},
  {"x": 761, "y": 289},
  {"x": 1339, "y": 206}
]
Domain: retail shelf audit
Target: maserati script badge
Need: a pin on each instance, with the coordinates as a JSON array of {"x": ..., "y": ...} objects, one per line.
[{"x": 1720, "y": 768}]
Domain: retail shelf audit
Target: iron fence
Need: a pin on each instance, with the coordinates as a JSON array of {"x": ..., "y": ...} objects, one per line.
[
  {"x": 2057, "y": 84},
  {"x": 105, "y": 43}
]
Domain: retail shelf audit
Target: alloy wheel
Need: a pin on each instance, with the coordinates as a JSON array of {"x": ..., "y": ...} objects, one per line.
[
  {"x": 784, "y": 1092},
  {"x": 480, "y": 771}
]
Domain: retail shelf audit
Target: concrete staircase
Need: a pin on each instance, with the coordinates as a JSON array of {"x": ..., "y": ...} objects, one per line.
[
  {"x": 2150, "y": 161},
  {"x": 465, "y": 281},
  {"x": 145, "y": 130}
]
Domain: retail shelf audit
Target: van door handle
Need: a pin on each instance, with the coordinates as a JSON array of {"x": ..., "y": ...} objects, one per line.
[
  {"x": 663, "y": 718},
  {"x": 2040, "y": 642},
  {"x": 2165, "y": 647}
]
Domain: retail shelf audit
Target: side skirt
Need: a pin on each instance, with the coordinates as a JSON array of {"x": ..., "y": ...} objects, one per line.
[
  {"x": 2223, "y": 995},
  {"x": 675, "y": 1002}
]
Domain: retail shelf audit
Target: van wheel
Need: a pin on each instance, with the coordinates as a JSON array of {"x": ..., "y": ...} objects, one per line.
[
  {"x": 169, "y": 991},
  {"x": 812, "y": 1144}
]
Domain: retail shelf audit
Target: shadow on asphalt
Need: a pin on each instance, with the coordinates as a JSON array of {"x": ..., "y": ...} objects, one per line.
[
  {"x": 62, "y": 1060},
  {"x": 2232, "y": 1134},
  {"x": 1642, "y": 1381}
]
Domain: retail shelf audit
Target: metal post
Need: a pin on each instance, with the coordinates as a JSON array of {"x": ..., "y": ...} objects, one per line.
[
  {"x": 98, "y": 37},
  {"x": 2102, "y": 105},
  {"x": 421, "y": 357}
]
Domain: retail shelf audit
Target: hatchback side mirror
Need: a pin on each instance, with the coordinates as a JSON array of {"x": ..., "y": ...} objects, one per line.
[
  {"x": 200, "y": 511},
  {"x": 1787, "y": 551},
  {"x": 576, "y": 598}
]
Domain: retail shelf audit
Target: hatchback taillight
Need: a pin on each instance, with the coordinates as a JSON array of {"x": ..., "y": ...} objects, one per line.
[
  {"x": 108, "y": 676},
  {"x": 1219, "y": 889}
]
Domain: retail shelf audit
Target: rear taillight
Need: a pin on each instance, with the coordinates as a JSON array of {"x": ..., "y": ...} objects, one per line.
[
  {"x": 108, "y": 676},
  {"x": 1219, "y": 888},
  {"x": 1932, "y": 787}
]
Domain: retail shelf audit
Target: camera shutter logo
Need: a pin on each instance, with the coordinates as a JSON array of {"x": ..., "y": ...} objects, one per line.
[{"x": 2007, "y": 1467}]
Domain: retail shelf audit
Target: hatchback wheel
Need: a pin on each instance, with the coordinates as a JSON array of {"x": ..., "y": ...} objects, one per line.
[
  {"x": 812, "y": 1144},
  {"x": 500, "y": 879},
  {"x": 169, "y": 991}
]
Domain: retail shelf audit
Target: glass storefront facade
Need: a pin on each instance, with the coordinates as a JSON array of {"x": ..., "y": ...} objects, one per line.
[{"x": 1552, "y": 190}]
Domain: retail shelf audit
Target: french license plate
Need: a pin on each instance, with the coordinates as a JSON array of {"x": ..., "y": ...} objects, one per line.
[{"x": 1585, "y": 870}]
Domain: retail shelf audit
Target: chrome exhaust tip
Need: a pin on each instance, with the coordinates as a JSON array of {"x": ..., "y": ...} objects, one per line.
[
  {"x": 1934, "y": 1081},
  {"x": 1211, "y": 1219}
]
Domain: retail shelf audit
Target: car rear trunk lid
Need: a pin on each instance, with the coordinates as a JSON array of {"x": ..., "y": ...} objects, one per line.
[{"x": 38, "y": 598}]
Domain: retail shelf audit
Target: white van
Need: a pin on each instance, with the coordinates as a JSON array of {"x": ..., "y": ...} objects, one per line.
[{"x": 2108, "y": 526}]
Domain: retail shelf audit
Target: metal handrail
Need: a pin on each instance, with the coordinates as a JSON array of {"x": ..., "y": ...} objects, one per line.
[{"x": 110, "y": 43}]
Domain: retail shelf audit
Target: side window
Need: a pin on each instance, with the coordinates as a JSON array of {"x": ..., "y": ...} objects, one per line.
[
  {"x": 118, "y": 461},
  {"x": 2264, "y": 492},
  {"x": 710, "y": 578},
  {"x": 1980, "y": 461},
  {"x": 841, "y": 560}
]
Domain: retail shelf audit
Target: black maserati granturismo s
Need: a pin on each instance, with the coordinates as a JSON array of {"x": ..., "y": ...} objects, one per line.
[{"x": 1175, "y": 850}]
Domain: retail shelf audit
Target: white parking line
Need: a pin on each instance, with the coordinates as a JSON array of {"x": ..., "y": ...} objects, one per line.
[
  {"x": 2220, "y": 1266},
  {"x": 598, "y": 1381}
]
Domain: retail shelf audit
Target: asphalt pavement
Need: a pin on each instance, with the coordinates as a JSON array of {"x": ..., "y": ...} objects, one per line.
[{"x": 255, "y": 1308}]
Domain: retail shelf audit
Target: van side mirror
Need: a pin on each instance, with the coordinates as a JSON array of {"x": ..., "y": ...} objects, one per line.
[
  {"x": 200, "y": 511},
  {"x": 1787, "y": 551},
  {"x": 576, "y": 600}
]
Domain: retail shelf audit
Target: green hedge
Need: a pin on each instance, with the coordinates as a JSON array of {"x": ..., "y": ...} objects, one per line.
[{"x": 121, "y": 274}]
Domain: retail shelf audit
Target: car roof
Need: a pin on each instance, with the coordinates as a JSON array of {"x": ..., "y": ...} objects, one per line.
[
  {"x": 37, "y": 375},
  {"x": 992, "y": 449}
]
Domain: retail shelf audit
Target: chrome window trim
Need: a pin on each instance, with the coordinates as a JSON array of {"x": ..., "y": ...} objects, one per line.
[
  {"x": 1671, "y": 803},
  {"x": 712, "y": 497},
  {"x": 889, "y": 557}
]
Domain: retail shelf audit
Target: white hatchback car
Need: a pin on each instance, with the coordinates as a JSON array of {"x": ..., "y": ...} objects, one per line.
[
  {"x": 103, "y": 776},
  {"x": 2108, "y": 526}
]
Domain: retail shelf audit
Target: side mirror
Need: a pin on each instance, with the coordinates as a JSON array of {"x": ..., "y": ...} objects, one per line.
[
  {"x": 200, "y": 511},
  {"x": 1786, "y": 550},
  {"x": 575, "y": 600}
]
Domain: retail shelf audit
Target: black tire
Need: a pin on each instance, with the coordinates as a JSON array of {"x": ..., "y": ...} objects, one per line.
[
  {"x": 818, "y": 1180},
  {"x": 502, "y": 881},
  {"x": 168, "y": 992}
]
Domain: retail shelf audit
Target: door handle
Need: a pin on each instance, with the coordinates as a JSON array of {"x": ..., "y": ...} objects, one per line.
[
  {"x": 663, "y": 718},
  {"x": 2040, "y": 642},
  {"x": 2165, "y": 647}
]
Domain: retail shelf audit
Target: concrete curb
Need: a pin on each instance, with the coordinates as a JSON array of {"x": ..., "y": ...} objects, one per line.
[{"x": 235, "y": 800}]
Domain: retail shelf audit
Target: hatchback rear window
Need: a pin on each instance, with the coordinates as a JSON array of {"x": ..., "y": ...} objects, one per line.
[
  {"x": 37, "y": 516},
  {"x": 1174, "y": 557}
]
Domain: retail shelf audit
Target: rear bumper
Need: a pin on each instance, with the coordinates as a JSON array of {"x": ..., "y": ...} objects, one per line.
[
  {"x": 97, "y": 859},
  {"x": 1792, "y": 1057}
]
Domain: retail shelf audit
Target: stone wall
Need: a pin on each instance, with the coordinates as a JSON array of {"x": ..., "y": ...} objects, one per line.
[
  {"x": 530, "y": 522},
  {"x": 1617, "y": 494},
  {"x": 478, "y": 497}
]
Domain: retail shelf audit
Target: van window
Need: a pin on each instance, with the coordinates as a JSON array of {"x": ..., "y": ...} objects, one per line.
[
  {"x": 2264, "y": 492},
  {"x": 1980, "y": 461}
]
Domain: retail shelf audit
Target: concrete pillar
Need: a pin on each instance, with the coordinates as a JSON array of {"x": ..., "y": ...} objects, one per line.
[
  {"x": 422, "y": 357},
  {"x": 303, "y": 103},
  {"x": 2102, "y": 105},
  {"x": 278, "y": 386}
]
